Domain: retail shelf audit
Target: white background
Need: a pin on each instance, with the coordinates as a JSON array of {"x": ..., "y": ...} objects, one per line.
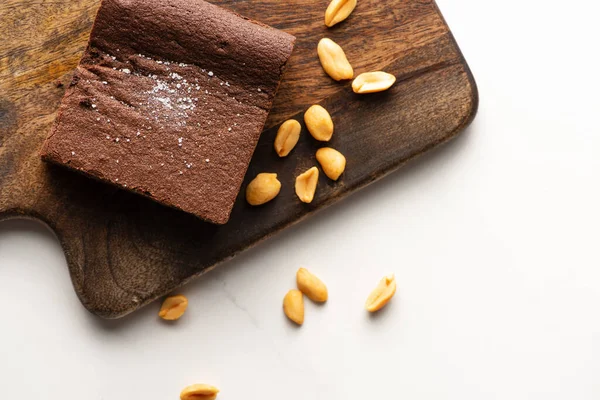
[{"x": 493, "y": 240}]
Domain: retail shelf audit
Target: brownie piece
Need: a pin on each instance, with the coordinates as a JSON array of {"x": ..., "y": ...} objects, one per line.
[{"x": 169, "y": 100}]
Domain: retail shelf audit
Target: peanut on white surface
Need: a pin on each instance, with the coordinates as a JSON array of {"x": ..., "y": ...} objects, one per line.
[
  {"x": 293, "y": 306},
  {"x": 311, "y": 286},
  {"x": 382, "y": 294},
  {"x": 199, "y": 391},
  {"x": 173, "y": 307}
]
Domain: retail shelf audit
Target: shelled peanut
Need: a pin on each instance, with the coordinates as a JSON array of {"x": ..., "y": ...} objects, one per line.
[
  {"x": 332, "y": 162},
  {"x": 306, "y": 185},
  {"x": 293, "y": 306},
  {"x": 319, "y": 123},
  {"x": 371, "y": 82},
  {"x": 333, "y": 60},
  {"x": 173, "y": 307},
  {"x": 199, "y": 391},
  {"x": 311, "y": 286},
  {"x": 262, "y": 189},
  {"x": 382, "y": 294},
  {"x": 338, "y": 10},
  {"x": 287, "y": 137}
]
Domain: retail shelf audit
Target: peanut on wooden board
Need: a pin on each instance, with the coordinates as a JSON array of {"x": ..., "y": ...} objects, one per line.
[
  {"x": 199, "y": 391},
  {"x": 287, "y": 137},
  {"x": 319, "y": 123},
  {"x": 382, "y": 294},
  {"x": 371, "y": 82},
  {"x": 311, "y": 286},
  {"x": 332, "y": 161},
  {"x": 333, "y": 60},
  {"x": 306, "y": 185},
  {"x": 173, "y": 307},
  {"x": 293, "y": 306},
  {"x": 338, "y": 10},
  {"x": 262, "y": 189}
]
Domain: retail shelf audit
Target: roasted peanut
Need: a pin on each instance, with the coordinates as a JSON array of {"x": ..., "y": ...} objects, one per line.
[
  {"x": 371, "y": 82},
  {"x": 173, "y": 307},
  {"x": 199, "y": 392},
  {"x": 338, "y": 11},
  {"x": 319, "y": 123},
  {"x": 293, "y": 306},
  {"x": 311, "y": 286},
  {"x": 333, "y": 60},
  {"x": 262, "y": 189},
  {"x": 382, "y": 294},
  {"x": 332, "y": 161},
  {"x": 287, "y": 137},
  {"x": 306, "y": 185}
]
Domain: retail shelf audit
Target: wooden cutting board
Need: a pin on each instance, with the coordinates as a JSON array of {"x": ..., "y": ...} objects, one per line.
[{"x": 123, "y": 250}]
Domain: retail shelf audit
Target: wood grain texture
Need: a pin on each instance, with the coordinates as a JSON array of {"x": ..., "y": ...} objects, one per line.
[{"x": 124, "y": 251}]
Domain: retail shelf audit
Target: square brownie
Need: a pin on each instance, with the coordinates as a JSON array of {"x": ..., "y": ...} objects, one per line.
[{"x": 169, "y": 100}]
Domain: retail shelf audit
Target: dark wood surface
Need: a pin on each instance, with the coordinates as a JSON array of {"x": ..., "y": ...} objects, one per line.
[{"x": 123, "y": 251}]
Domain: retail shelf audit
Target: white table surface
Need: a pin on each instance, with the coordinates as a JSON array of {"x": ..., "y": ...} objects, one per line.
[{"x": 494, "y": 241}]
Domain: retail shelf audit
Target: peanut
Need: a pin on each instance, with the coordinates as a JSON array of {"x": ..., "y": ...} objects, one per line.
[
  {"x": 382, "y": 294},
  {"x": 262, "y": 189},
  {"x": 319, "y": 123},
  {"x": 287, "y": 137},
  {"x": 333, "y": 60},
  {"x": 332, "y": 161},
  {"x": 199, "y": 392},
  {"x": 173, "y": 307},
  {"x": 311, "y": 286},
  {"x": 371, "y": 82},
  {"x": 338, "y": 11},
  {"x": 293, "y": 306},
  {"x": 306, "y": 185}
]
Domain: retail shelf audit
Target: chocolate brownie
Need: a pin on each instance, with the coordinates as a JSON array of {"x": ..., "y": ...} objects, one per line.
[{"x": 169, "y": 100}]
